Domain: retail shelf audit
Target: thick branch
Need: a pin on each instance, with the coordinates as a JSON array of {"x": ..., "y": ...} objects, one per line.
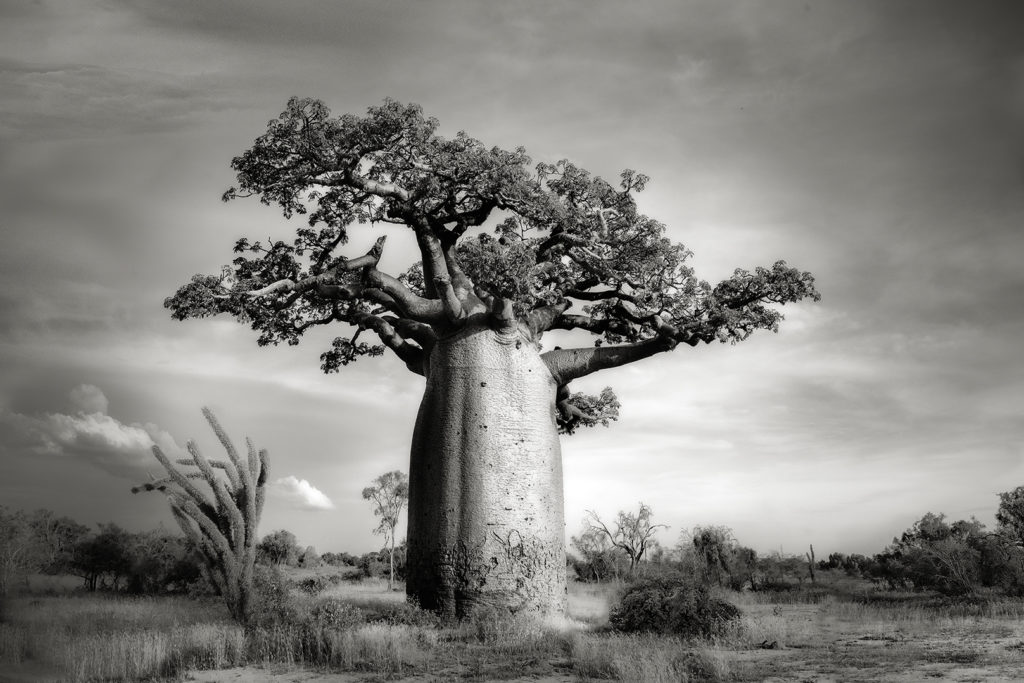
[
  {"x": 540, "y": 320},
  {"x": 408, "y": 303},
  {"x": 410, "y": 354},
  {"x": 328, "y": 279},
  {"x": 569, "y": 364}
]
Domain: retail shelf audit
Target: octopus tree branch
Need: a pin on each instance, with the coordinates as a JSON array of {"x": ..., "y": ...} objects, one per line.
[
  {"x": 540, "y": 320},
  {"x": 569, "y": 364},
  {"x": 450, "y": 302},
  {"x": 421, "y": 333},
  {"x": 287, "y": 285},
  {"x": 410, "y": 354},
  {"x": 407, "y": 302},
  {"x": 349, "y": 178}
]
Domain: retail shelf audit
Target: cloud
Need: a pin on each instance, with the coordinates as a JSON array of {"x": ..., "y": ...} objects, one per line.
[
  {"x": 87, "y": 433},
  {"x": 52, "y": 101},
  {"x": 301, "y": 494},
  {"x": 89, "y": 399}
]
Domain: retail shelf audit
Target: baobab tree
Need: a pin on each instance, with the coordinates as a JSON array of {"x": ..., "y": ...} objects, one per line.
[{"x": 508, "y": 252}]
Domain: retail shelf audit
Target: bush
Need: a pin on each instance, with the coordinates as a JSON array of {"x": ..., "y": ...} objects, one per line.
[
  {"x": 337, "y": 614},
  {"x": 272, "y": 602},
  {"x": 315, "y": 585},
  {"x": 671, "y": 604}
]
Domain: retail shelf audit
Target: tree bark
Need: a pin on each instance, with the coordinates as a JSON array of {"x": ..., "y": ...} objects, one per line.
[{"x": 486, "y": 519}]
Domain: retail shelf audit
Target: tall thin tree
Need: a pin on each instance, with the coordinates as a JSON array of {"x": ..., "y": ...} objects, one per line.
[
  {"x": 389, "y": 493},
  {"x": 222, "y": 526}
]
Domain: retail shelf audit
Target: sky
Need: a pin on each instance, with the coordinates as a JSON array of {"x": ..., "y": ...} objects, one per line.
[{"x": 878, "y": 145}]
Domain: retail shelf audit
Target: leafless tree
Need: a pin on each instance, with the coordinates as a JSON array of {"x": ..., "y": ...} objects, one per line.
[{"x": 633, "y": 532}]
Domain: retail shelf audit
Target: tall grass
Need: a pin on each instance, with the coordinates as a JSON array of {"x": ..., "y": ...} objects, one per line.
[
  {"x": 368, "y": 629},
  {"x": 97, "y": 638},
  {"x": 649, "y": 658}
]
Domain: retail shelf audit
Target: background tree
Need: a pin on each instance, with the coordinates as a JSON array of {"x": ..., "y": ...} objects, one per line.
[
  {"x": 104, "y": 559},
  {"x": 1010, "y": 516},
  {"x": 935, "y": 555},
  {"x": 222, "y": 525},
  {"x": 279, "y": 547},
  {"x": 309, "y": 558},
  {"x": 633, "y": 532},
  {"x": 597, "y": 560},
  {"x": 508, "y": 251},
  {"x": 18, "y": 548},
  {"x": 389, "y": 494},
  {"x": 713, "y": 546}
]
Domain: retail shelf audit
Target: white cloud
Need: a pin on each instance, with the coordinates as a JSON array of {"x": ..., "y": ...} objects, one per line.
[
  {"x": 89, "y": 399},
  {"x": 301, "y": 494},
  {"x": 88, "y": 434}
]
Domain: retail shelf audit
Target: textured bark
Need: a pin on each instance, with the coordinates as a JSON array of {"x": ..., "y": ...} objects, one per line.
[{"x": 486, "y": 520}]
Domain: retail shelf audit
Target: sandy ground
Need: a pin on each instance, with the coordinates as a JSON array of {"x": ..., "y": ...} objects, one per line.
[{"x": 252, "y": 675}]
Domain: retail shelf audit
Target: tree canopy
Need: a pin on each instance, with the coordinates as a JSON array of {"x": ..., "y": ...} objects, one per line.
[{"x": 503, "y": 242}]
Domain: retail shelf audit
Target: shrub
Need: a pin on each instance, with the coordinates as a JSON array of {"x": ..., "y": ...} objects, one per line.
[
  {"x": 272, "y": 604},
  {"x": 315, "y": 585},
  {"x": 671, "y": 604},
  {"x": 337, "y": 614}
]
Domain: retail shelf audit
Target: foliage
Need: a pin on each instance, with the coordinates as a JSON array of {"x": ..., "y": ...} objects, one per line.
[
  {"x": 222, "y": 528},
  {"x": 337, "y": 614},
  {"x": 671, "y": 603},
  {"x": 339, "y": 559},
  {"x": 103, "y": 560},
  {"x": 569, "y": 250},
  {"x": 279, "y": 547},
  {"x": 1010, "y": 515},
  {"x": 935, "y": 555},
  {"x": 309, "y": 558}
]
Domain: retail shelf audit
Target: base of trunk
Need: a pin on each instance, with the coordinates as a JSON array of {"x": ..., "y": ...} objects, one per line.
[{"x": 486, "y": 521}]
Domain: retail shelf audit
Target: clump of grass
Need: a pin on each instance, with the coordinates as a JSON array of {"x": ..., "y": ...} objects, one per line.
[
  {"x": 650, "y": 658},
  {"x": 765, "y": 630},
  {"x": 381, "y": 648}
]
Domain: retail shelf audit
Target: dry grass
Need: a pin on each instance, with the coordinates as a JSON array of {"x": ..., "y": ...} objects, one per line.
[{"x": 845, "y": 635}]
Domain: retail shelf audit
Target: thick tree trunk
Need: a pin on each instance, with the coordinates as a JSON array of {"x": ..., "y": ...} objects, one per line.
[{"x": 486, "y": 520}]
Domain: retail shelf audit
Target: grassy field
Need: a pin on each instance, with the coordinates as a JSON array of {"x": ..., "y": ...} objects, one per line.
[{"x": 843, "y": 632}]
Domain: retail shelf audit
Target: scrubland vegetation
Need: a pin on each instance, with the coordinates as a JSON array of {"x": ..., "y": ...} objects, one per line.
[
  {"x": 318, "y": 620},
  {"x": 943, "y": 600}
]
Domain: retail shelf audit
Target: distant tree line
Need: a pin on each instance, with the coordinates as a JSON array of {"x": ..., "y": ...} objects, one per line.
[
  {"x": 110, "y": 558},
  {"x": 953, "y": 558}
]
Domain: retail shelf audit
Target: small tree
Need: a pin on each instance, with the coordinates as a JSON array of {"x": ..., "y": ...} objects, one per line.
[
  {"x": 389, "y": 493},
  {"x": 17, "y": 546},
  {"x": 597, "y": 559},
  {"x": 104, "y": 559},
  {"x": 1010, "y": 516},
  {"x": 278, "y": 547},
  {"x": 714, "y": 548},
  {"x": 633, "y": 532},
  {"x": 223, "y": 527}
]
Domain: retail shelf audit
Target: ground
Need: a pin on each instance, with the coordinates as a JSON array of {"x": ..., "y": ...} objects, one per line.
[{"x": 804, "y": 636}]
